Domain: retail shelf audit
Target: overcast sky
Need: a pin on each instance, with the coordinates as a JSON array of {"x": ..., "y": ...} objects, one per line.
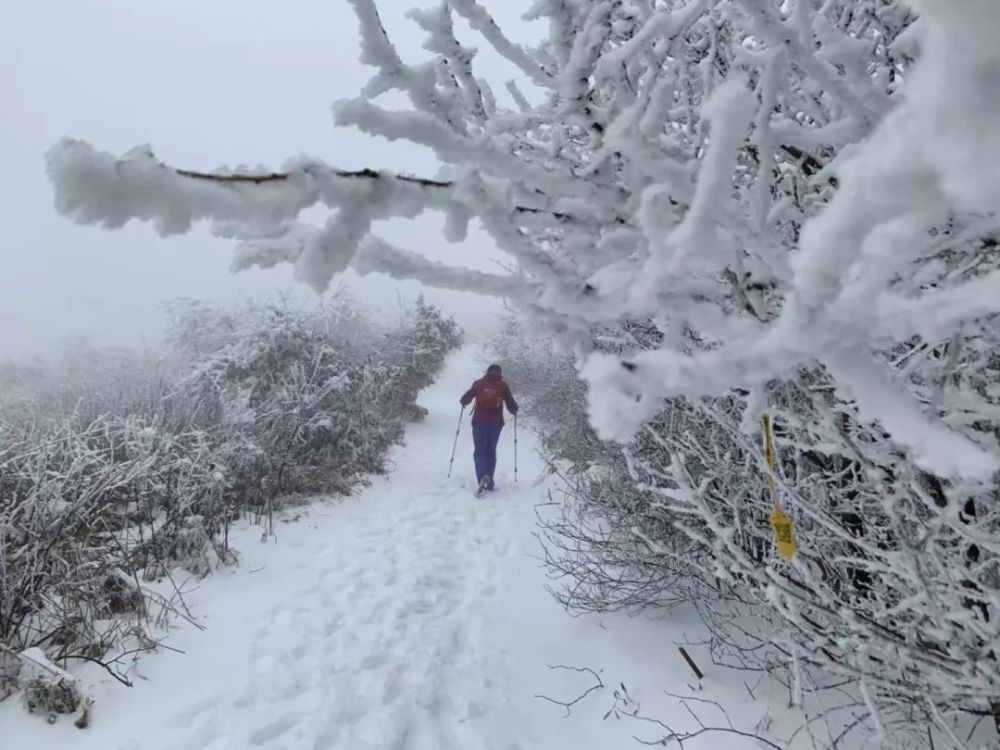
[{"x": 206, "y": 82}]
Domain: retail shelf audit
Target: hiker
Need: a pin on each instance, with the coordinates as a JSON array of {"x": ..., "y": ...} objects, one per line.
[{"x": 490, "y": 393}]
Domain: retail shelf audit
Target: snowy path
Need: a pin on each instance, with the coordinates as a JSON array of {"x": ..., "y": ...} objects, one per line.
[
  {"x": 377, "y": 645},
  {"x": 411, "y": 617},
  {"x": 381, "y": 638}
]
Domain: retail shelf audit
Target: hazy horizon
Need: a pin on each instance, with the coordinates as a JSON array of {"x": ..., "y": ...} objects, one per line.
[{"x": 231, "y": 83}]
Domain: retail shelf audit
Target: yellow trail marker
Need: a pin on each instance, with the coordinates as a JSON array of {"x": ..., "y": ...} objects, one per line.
[
  {"x": 784, "y": 533},
  {"x": 781, "y": 522}
]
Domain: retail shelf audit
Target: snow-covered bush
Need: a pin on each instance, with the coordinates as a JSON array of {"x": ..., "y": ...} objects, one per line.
[
  {"x": 420, "y": 344},
  {"x": 51, "y": 697},
  {"x": 47, "y": 689},
  {"x": 10, "y": 672},
  {"x": 801, "y": 199},
  {"x": 597, "y": 538},
  {"x": 115, "y": 469}
]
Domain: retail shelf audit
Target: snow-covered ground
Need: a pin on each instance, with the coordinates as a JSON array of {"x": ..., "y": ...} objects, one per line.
[{"x": 409, "y": 617}]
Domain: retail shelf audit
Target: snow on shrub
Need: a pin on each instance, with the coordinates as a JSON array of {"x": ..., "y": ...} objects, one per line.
[
  {"x": 799, "y": 197},
  {"x": 597, "y": 542},
  {"x": 114, "y": 469}
]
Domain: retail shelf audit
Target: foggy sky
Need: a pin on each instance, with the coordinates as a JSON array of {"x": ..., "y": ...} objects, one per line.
[{"x": 206, "y": 82}]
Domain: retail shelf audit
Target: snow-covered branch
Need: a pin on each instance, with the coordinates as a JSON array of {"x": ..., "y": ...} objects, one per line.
[
  {"x": 379, "y": 256},
  {"x": 721, "y": 208},
  {"x": 260, "y": 206}
]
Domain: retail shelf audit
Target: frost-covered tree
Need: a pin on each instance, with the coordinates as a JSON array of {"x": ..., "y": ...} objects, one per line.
[
  {"x": 422, "y": 341},
  {"x": 798, "y": 197},
  {"x": 116, "y": 469}
]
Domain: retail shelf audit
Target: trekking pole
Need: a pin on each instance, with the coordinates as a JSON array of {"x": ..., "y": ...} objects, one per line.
[
  {"x": 515, "y": 448},
  {"x": 455, "y": 446}
]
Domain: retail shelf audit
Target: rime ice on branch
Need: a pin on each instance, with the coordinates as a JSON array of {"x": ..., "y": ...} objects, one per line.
[
  {"x": 800, "y": 198},
  {"x": 610, "y": 194}
]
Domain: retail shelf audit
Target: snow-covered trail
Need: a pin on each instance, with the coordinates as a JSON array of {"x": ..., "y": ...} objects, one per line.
[
  {"x": 380, "y": 638},
  {"x": 409, "y": 617}
]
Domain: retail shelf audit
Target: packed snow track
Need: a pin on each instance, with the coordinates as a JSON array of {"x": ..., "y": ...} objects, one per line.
[{"x": 411, "y": 616}]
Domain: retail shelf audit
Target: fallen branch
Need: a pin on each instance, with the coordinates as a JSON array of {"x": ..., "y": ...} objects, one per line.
[
  {"x": 107, "y": 666},
  {"x": 690, "y": 663},
  {"x": 568, "y": 705},
  {"x": 626, "y": 706}
]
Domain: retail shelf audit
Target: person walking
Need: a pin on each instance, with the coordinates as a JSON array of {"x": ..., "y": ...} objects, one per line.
[{"x": 490, "y": 394}]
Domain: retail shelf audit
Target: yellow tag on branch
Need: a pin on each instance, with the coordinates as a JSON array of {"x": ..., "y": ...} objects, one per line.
[
  {"x": 784, "y": 533},
  {"x": 781, "y": 522}
]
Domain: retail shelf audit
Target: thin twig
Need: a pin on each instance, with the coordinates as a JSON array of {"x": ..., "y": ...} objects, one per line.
[
  {"x": 569, "y": 704},
  {"x": 107, "y": 667}
]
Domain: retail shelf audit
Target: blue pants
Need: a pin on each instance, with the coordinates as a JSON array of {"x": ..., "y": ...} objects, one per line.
[{"x": 485, "y": 436}]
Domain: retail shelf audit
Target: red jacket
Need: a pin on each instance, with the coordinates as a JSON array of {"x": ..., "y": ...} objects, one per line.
[{"x": 490, "y": 394}]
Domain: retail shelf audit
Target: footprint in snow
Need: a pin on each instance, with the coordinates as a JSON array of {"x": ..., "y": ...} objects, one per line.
[
  {"x": 273, "y": 730},
  {"x": 373, "y": 661}
]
